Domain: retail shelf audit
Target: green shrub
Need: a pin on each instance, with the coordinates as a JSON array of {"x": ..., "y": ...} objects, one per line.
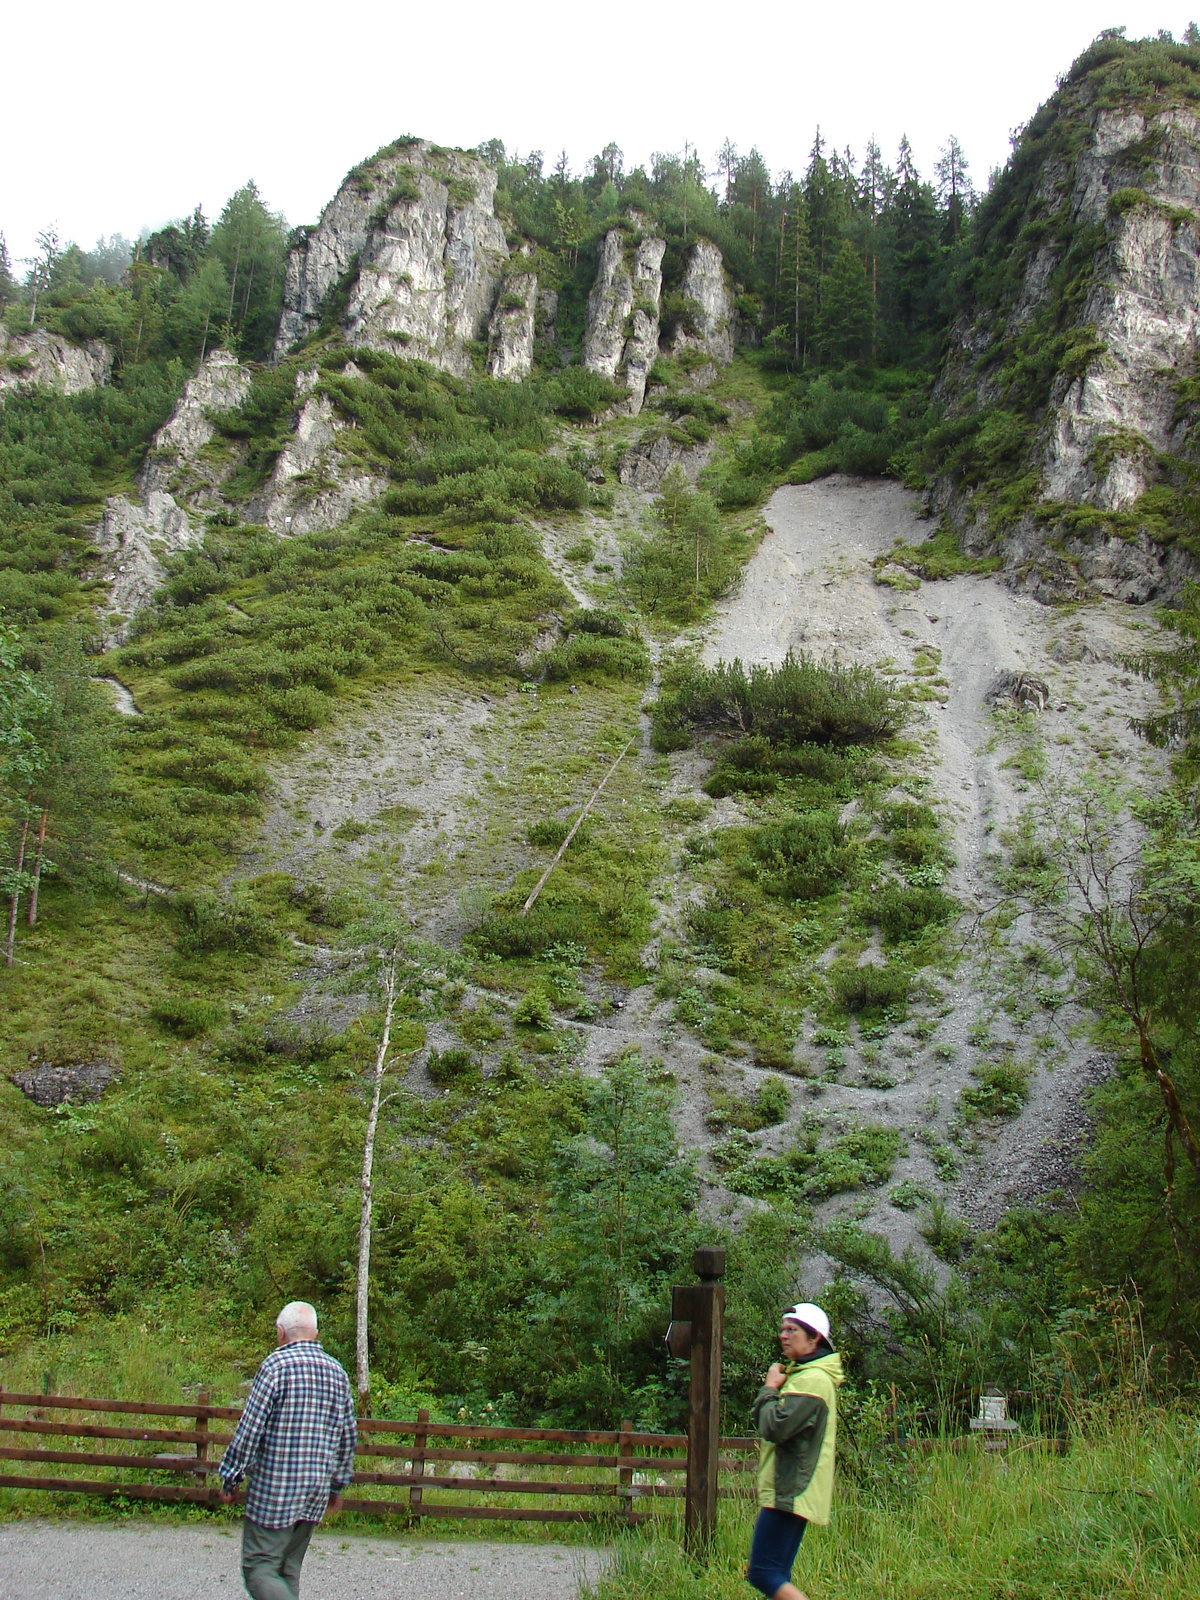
[
  {"x": 210, "y": 923},
  {"x": 581, "y": 394},
  {"x": 1003, "y": 1088},
  {"x": 549, "y": 832},
  {"x": 801, "y": 858},
  {"x": 187, "y": 1018},
  {"x": 453, "y": 1068},
  {"x": 585, "y": 655},
  {"x": 534, "y": 1010},
  {"x": 869, "y": 990},
  {"x": 800, "y": 701},
  {"x": 904, "y": 912},
  {"x": 948, "y": 1236},
  {"x": 608, "y": 624}
]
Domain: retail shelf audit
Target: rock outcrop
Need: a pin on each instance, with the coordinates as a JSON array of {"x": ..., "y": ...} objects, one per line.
[
  {"x": 710, "y": 308},
  {"x": 646, "y": 463},
  {"x": 132, "y": 539},
  {"x": 42, "y": 358},
  {"x": 1114, "y": 416},
  {"x": 313, "y": 484},
  {"x": 221, "y": 384},
  {"x": 412, "y": 243},
  {"x": 512, "y": 329},
  {"x": 621, "y": 336}
]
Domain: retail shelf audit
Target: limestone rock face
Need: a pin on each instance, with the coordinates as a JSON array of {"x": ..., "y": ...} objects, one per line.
[
  {"x": 646, "y": 463},
  {"x": 221, "y": 384},
  {"x": 413, "y": 238},
  {"x": 1106, "y": 425},
  {"x": 1144, "y": 305},
  {"x": 704, "y": 284},
  {"x": 512, "y": 328},
  {"x": 132, "y": 539},
  {"x": 48, "y": 359},
  {"x": 546, "y": 317},
  {"x": 313, "y": 485},
  {"x": 621, "y": 336}
]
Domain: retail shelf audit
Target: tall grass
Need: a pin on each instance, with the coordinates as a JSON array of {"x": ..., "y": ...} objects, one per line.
[{"x": 1119, "y": 1514}]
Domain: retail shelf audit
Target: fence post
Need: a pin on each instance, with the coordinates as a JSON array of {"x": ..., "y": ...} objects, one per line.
[
  {"x": 707, "y": 1306},
  {"x": 420, "y": 1440},
  {"x": 625, "y": 1473},
  {"x": 202, "y": 1427}
]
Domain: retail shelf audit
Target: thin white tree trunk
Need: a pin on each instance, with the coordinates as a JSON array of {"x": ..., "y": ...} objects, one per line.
[{"x": 364, "y": 1222}]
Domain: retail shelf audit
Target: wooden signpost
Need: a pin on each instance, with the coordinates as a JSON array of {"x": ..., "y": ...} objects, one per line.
[{"x": 697, "y": 1332}]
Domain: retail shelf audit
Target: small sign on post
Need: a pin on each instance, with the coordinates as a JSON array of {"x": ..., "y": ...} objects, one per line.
[
  {"x": 697, "y": 1332},
  {"x": 993, "y": 1420}
]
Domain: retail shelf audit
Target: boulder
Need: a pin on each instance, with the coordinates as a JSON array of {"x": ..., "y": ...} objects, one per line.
[
  {"x": 132, "y": 539},
  {"x": 221, "y": 384},
  {"x": 646, "y": 463},
  {"x": 49, "y": 1084}
]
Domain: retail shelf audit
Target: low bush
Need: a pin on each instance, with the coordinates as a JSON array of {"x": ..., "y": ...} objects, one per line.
[
  {"x": 1002, "y": 1089},
  {"x": 549, "y": 832},
  {"x": 870, "y": 990},
  {"x": 187, "y": 1018},
  {"x": 210, "y": 924},
  {"x": 586, "y": 655},
  {"x": 452, "y": 1069},
  {"x": 798, "y": 702},
  {"x": 801, "y": 858},
  {"x": 904, "y": 913}
]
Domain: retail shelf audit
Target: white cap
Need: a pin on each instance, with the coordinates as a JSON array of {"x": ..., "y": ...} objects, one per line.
[{"x": 811, "y": 1316}]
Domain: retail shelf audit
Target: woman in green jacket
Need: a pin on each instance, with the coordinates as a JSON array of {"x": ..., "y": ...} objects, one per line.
[{"x": 796, "y": 1416}]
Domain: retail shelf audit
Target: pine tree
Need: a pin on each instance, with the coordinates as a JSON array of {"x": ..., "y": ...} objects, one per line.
[
  {"x": 797, "y": 281},
  {"x": 845, "y": 321},
  {"x": 8, "y": 284},
  {"x": 954, "y": 189}
]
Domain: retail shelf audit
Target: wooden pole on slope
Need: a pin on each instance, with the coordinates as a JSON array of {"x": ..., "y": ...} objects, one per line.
[{"x": 558, "y": 854}]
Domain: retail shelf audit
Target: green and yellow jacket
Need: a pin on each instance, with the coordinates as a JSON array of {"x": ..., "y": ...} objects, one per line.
[{"x": 798, "y": 1424}]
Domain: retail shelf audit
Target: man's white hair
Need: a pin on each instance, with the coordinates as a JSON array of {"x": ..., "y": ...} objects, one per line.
[{"x": 297, "y": 1317}]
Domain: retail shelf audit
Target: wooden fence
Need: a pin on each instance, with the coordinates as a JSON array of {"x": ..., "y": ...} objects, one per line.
[{"x": 618, "y": 1474}]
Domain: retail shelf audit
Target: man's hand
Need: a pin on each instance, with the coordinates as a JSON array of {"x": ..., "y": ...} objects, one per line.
[
  {"x": 335, "y": 1501},
  {"x": 224, "y": 1496},
  {"x": 775, "y": 1376}
]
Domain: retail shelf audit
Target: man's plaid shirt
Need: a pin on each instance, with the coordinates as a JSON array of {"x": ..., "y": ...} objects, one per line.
[{"x": 296, "y": 1438}]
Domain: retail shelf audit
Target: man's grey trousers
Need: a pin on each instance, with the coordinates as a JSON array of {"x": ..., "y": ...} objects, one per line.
[{"x": 271, "y": 1559}]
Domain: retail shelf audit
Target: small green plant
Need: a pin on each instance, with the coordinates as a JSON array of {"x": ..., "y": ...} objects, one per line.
[
  {"x": 1002, "y": 1090},
  {"x": 453, "y": 1068},
  {"x": 188, "y": 1018},
  {"x": 908, "y": 1195},
  {"x": 948, "y": 1236}
]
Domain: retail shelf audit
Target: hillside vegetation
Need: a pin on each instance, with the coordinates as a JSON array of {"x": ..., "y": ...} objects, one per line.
[{"x": 364, "y": 743}]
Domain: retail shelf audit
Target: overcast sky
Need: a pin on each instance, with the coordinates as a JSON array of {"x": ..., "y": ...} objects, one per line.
[{"x": 120, "y": 116}]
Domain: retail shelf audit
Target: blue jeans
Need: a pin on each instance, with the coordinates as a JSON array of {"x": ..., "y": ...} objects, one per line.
[{"x": 777, "y": 1536}]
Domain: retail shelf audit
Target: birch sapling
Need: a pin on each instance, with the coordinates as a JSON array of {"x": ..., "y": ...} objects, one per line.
[{"x": 361, "y": 1347}]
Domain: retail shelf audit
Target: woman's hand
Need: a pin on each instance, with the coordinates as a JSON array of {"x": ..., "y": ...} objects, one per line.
[{"x": 775, "y": 1376}]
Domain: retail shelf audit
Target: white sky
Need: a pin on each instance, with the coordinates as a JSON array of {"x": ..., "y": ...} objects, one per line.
[{"x": 122, "y": 115}]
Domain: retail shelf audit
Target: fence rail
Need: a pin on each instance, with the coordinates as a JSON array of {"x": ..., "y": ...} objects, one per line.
[{"x": 623, "y": 1483}]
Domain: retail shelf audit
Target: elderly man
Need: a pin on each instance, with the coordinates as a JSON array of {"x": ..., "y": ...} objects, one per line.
[
  {"x": 296, "y": 1443},
  {"x": 796, "y": 1417}
]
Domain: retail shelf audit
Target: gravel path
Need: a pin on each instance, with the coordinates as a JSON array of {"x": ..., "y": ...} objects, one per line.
[{"x": 157, "y": 1561}]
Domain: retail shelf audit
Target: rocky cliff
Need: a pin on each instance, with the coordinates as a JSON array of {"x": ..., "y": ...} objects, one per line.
[
  {"x": 411, "y": 245},
  {"x": 709, "y": 325},
  {"x": 511, "y": 331},
  {"x": 47, "y": 358},
  {"x": 1105, "y": 301},
  {"x": 621, "y": 337}
]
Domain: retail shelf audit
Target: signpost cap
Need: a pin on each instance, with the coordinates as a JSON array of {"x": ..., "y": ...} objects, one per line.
[{"x": 709, "y": 1263}]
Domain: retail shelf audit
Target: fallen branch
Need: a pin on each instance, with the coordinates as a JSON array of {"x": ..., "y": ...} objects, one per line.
[{"x": 558, "y": 854}]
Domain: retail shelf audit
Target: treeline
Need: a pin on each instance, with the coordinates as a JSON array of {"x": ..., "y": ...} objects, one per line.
[
  {"x": 850, "y": 261},
  {"x": 175, "y": 293}
]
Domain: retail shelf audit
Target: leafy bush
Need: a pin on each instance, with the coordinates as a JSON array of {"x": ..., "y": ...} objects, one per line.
[
  {"x": 817, "y": 773},
  {"x": 869, "y": 990},
  {"x": 453, "y": 1068},
  {"x": 549, "y": 832},
  {"x": 585, "y": 655},
  {"x": 581, "y": 394},
  {"x": 801, "y": 858},
  {"x": 904, "y": 913},
  {"x": 800, "y": 701},
  {"x": 187, "y": 1018},
  {"x": 1003, "y": 1088},
  {"x": 608, "y": 624},
  {"x": 210, "y": 923},
  {"x": 766, "y": 1107}
]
